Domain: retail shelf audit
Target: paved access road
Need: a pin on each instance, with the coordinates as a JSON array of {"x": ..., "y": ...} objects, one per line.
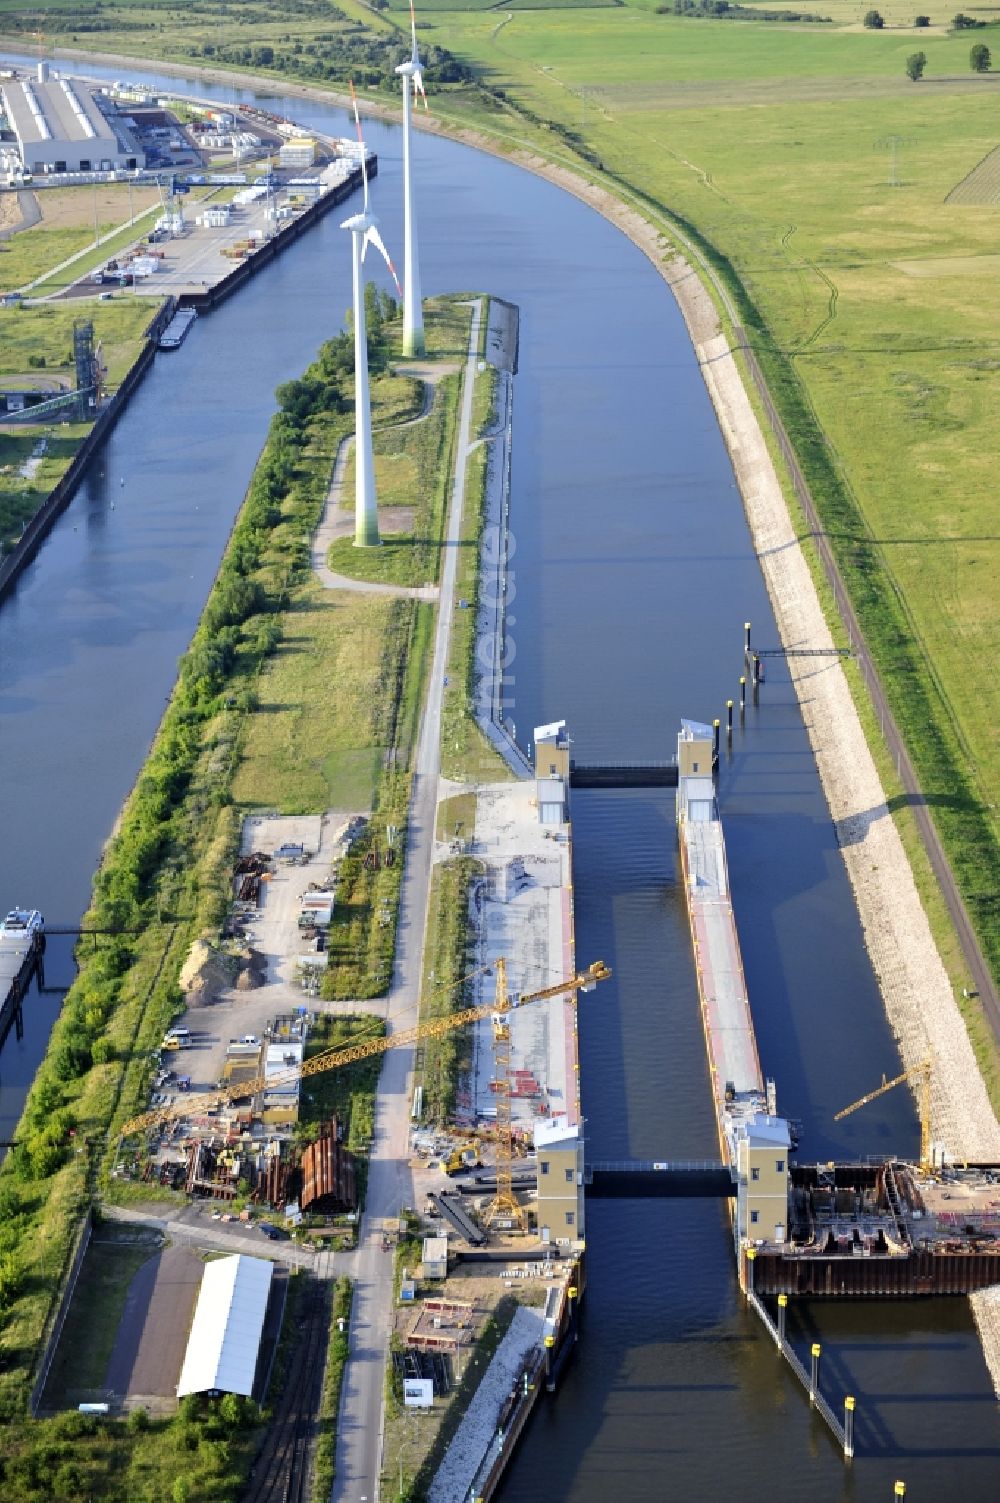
[{"x": 359, "y": 1439}]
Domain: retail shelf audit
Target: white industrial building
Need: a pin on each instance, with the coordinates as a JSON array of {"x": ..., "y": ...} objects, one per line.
[
  {"x": 221, "y": 1355},
  {"x": 60, "y": 127}
]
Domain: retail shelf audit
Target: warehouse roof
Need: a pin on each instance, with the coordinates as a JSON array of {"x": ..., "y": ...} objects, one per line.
[
  {"x": 227, "y": 1327},
  {"x": 59, "y": 109}
]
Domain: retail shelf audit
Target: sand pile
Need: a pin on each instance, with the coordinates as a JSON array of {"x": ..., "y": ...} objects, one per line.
[
  {"x": 206, "y": 974},
  {"x": 252, "y": 972}
]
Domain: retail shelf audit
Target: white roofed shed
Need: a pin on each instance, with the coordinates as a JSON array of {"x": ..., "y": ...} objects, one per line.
[{"x": 221, "y": 1355}]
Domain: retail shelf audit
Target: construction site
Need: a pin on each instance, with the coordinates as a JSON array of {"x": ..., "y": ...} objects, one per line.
[{"x": 225, "y": 1101}]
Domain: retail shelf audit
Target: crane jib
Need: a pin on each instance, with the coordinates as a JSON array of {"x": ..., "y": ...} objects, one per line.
[{"x": 335, "y": 1059}]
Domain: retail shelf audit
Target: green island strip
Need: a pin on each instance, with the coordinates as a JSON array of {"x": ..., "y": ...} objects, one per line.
[
  {"x": 253, "y": 723},
  {"x": 440, "y": 1061}
]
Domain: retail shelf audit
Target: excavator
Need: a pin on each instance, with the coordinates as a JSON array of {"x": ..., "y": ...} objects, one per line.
[
  {"x": 335, "y": 1059},
  {"x": 465, "y": 1156}
]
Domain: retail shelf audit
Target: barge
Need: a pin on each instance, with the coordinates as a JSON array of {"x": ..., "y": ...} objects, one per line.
[
  {"x": 177, "y": 330},
  {"x": 22, "y": 941},
  {"x": 885, "y": 1228}
]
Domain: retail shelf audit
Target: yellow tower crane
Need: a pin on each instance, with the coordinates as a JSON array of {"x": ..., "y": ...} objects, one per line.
[
  {"x": 921, "y": 1071},
  {"x": 505, "y": 1206},
  {"x": 335, "y": 1059}
]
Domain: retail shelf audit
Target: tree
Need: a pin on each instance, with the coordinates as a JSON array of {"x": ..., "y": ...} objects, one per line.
[
  {"x": 873, "y": 20},
  {"x": 915, "y": 65},
  {"x": 979, "y": 58}
]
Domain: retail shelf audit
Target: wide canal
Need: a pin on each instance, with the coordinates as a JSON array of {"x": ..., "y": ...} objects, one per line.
[{"x": 633, "y": 574}]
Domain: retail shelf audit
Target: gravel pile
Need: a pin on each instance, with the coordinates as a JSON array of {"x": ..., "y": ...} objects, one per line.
[{"x": 473, "y": 1437}]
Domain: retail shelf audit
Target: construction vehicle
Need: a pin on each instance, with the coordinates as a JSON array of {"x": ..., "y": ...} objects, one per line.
[
  {"x": 334, "y": 1059},
  {"x": 921, "y": 1072},
  {"x": 466, "y": 1156}
]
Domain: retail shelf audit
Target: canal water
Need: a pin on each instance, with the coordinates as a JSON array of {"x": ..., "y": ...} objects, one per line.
[{"x": 632, "y": 575}]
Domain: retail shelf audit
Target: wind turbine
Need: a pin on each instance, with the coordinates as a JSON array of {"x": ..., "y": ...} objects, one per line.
[
  {"x": 364, "y": 229},
  {"x": 413, "y": 314}
]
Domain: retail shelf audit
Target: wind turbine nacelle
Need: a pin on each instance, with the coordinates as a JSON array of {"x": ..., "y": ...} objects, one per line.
[{"x": 360, "y": 222}]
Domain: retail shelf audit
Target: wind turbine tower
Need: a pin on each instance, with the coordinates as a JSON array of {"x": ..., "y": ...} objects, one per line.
[
  {"x": 413, "y": 313},
  {"x": 364, "y": 232}
]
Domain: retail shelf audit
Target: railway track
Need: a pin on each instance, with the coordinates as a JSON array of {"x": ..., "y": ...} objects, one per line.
[{"x": 281, "y": 1473}]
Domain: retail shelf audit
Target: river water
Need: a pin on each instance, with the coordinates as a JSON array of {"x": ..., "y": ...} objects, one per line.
[{"x": 633, "y": 574}]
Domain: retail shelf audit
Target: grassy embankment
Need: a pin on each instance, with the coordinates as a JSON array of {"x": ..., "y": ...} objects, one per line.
[
  {"x": 36, "y": 349},
  {"x": 165, "y": 880},
  {"x": 441, "y": 1061}
]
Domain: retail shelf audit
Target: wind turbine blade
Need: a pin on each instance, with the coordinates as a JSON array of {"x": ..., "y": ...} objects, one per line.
[
  {"x": 375, "y": 238},
  {"x": 418, "y": 77},
  {"x": 361, "y": 143}
]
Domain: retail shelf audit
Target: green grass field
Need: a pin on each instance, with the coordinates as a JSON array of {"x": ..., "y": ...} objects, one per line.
[
  {"x": 34, "y": 457},
  {"x": 413, "y": 481},
  {"x": 79, "y": 1370}
]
